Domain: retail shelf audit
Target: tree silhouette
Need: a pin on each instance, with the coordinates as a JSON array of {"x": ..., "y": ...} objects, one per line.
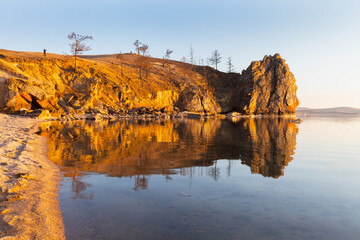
[
  {"x": 230, "y": 65},
  {"x": 192, "y": 60},
  {"x": 77, "y": 46},
  {"x": 167, "y": 56},
  {"x": 215, "y": 58},
  {"x": 168, "y": 53},
  {"x": 143, "y": 62},
  {"x": 137, "y": 45},
  {"x": 167, "y": 63}
]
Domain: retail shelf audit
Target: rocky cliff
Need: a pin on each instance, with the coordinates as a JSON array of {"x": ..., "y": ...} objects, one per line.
[
  {"x": 266, "y": 87},
  {"x": 112, "y": 84}
]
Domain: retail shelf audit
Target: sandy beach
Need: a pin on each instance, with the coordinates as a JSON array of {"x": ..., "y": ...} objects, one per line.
[{"x": 29, "y": 204}]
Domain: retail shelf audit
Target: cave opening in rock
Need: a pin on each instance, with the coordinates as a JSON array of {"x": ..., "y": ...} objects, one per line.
[{"x": 34, "y": 103}]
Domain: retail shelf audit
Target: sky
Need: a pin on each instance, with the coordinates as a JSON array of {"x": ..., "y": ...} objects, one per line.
[{"x": 319, "y": 39}]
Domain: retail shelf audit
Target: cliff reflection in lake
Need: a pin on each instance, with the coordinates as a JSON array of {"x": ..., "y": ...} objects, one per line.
[
  {"x": 138, "y": 148},
  {"x": 208, "y": 179}
]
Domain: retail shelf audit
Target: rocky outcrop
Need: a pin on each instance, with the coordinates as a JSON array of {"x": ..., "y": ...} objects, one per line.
[
  {"x": 101, "y": 85},
  {"x": 266, "y": 87},
  {"x": 197, "y": 102}
]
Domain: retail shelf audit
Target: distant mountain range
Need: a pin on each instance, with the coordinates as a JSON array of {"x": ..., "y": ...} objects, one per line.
[{"x": 335, "y": 110}]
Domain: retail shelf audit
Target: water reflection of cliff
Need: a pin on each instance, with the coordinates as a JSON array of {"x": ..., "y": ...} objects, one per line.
[{"x": 137, "y": 149}]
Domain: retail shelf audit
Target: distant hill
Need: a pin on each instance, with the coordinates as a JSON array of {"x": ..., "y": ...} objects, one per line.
[{"x": 335, "y": 110}]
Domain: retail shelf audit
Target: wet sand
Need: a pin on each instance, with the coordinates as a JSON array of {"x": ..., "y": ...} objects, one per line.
[{"x": 29, "y": 204}]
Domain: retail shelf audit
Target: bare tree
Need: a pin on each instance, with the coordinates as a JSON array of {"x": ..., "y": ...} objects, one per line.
[
  {"x": 137, "y": 45},
  {"x": 215, "y": 58},
  {"x": 167, "y": 56},
  {"x": 166, "y": 61},
  {"x": 142, "y": 61},
  {"x": 192, "y": 55},
  {"x": 77, "y": 46},
  {"x": 168, "y": 53},
  {"x": 230, "y": 65}
]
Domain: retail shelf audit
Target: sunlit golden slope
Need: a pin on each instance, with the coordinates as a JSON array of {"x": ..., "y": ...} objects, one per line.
[{"x": 104, "y": 83}]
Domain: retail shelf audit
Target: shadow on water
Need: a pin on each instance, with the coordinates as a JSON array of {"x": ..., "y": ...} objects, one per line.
[{"x": 141, "y": 148}]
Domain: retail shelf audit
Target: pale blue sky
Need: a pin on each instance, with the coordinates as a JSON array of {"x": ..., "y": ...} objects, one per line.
[{"x": 318, "y": 38}]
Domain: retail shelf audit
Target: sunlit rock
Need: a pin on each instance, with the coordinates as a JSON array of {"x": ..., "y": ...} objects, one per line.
[
  {"x": 98, "y": 86},
  {"x": 267, "y": 87}
]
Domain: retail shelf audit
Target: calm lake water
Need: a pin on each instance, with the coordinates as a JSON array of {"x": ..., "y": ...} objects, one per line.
[{"x": 209, "y": 179}]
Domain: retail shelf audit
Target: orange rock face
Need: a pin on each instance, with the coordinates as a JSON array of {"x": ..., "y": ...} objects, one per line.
[
  {"x": 19, "y": 101},
  {"x": 267, "y": 87},
  {"x": 48, "y": 103}
]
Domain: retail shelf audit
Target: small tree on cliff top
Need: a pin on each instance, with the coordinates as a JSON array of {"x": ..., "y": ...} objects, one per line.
[
  {"x": 192, "y": 60},
  {"x": 215, "y": 58},
  {"x": 145, "y": 58},
  {"x": 137, "y": 45},
  {"x": 168, "y": 53},
  {"x": 77, "y": 46},
  {"x": 167, "y": 63},
  {"x": 167, "y": 56},
  {"x": 142, "y": 61},
  {"x": 230, "y": 65}
]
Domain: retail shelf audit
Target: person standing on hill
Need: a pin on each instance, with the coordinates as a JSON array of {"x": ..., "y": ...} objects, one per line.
[{"x": 44, "y": 52}]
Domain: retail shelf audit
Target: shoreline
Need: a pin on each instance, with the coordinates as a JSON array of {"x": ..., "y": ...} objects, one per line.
[
  {"x": 53, "y": 116},
  {"x": 29, "y": 202}
]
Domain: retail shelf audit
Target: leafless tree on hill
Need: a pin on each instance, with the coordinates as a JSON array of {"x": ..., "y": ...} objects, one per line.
[
  {"x": 145, "y": 58},
  {"x": 137, "y": 45},
  {"x": 166, "y": 61},
  {"x": 230, "y": 65},
  {"x": 215, "y": 58},
  {"x": 192, "y": 61},
  {"x": 168, "y": 53},
  {"x": 143, "y": 61},
  {"x": 77, "y": 46},
  {"x": 167, "y": 56}
]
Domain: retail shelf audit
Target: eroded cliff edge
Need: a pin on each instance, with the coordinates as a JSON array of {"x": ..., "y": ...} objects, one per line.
[{"x": 109, "y": 84}]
